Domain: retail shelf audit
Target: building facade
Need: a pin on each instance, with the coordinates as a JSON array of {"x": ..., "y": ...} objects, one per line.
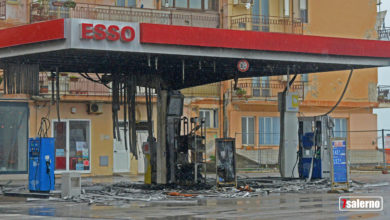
[
  {"x": 251, "y": 112},
  {"x": 246, "y": 109}
]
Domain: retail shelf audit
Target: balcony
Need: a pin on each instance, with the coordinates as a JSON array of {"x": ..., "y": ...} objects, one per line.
[
  {"x": 384, "y": 33},
  {"x": 384, "y": 96},
  {"x": 42, "y": 12},
  {"x": 72, "y": 85},
  {"x": 263, "y": 91},
  {"x": 212, "y": 90},
  {"x": 267, "y": 24}
]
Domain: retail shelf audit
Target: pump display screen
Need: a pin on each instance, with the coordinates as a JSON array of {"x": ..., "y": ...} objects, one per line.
[{"x": 339, "y": 161}]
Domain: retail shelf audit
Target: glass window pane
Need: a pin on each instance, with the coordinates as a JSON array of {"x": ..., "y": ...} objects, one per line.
[
  {"x": 120, "y": 3},
  {"x": 251, "y": 131},
  {"x": 244, "y": 130},
  {"x": 344, "y": 127},
  {"x": 201, "y": 114},
  {"x": 268, "y": 131},
  {"x": 207, "y": 116},
  {"x": 261, "y": 131},
  {"x": 303, "y": 4},
  {"x": 337, "y": 127},
  {"x": 79, "y": 145},
  {"x": 13, "y": 137},
  {"x": 305, "y": 77},
  {"x": 196, "y": 4},
  {"x": 275, "y": 130},
  {"x": 265, "y": 82},
  {"x": 215, "y": 118},
  {"x": 167, "y": 3},
  {"x": 60, "y": 145},
  {"x": 181, "y": 4},
  {"x": 256, "y": 9},
  {"x": 131, "y": 3},
  {"x": 286, "y": 7},
  {"x": 265, "y": 8}
]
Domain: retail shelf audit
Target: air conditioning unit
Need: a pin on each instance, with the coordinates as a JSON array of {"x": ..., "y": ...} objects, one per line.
[{"x": 95, "y": 108}]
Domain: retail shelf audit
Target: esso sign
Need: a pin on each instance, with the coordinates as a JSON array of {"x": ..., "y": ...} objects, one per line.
[{"x": 103, "y": 32}]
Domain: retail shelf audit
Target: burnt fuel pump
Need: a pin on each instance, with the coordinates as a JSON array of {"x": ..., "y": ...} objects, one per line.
[
  {"x": 314, "y": 146},
  {"x": 191, "y": 152}
]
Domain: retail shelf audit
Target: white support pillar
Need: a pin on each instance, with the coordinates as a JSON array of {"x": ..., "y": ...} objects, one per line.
[
  {"x": 288, "y": 108},
  {"x": 161, "y": 137}
]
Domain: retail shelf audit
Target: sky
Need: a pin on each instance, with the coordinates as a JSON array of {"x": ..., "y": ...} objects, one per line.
[{"x": 384, "y": 78}]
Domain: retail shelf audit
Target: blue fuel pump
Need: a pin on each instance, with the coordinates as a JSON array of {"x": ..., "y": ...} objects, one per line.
[
  {"x": 314, "y": 146},
  {"x": 41, "y": 164}
]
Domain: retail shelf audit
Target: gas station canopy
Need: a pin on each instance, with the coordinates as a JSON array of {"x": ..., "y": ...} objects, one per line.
[{"x": 184, "y": 56}]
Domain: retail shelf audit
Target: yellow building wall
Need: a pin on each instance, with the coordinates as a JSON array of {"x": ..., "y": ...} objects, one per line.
[
  {"x": 100, "y": 129},
  {"x": 334, "y": 18},
  {"x": 329, "y": 86},
  {"x": 17, "y": 13},
  {"x": 342, "y": 18}
]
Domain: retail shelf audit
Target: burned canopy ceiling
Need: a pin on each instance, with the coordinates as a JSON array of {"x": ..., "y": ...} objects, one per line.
[{"x": 181, "y": 56}]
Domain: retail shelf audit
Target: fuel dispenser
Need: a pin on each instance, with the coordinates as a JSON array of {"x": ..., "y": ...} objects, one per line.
[
  {"x": 314, "y": 146},
  {"x": 147, "y": 163},
  {"x": 41, "y": 164}
]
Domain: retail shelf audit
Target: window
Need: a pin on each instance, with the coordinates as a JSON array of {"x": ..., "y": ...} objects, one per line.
[
  {"x": 305, "y": 77},
  {"x": 73, "y": 146},
  {"x": 256, "y": 86},
  {"x": 192, "y": 4},
  {"x": 269, "y": 130},
  {"x": 3, "y": 6},
  {"x": 303, "y": 10},
  {"x": 248, "y": 130},
  {"x": 210, "y": 116},
  {"x": 340, "y": 128},
  {"x": 181, "y": 3},
  {"x": 256, "y": 15},
  {"x": 265, "y": 90},
  {"x": 260, "y": 87},
  {"x": 13, "y": 137},
  {"x": 195, "y": 4},
  {"x": 126, "y": 3},
  {"x": 286, "y": 8}
]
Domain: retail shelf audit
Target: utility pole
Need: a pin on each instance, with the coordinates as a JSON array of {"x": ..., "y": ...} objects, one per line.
[{"x": 384, "y": 152}]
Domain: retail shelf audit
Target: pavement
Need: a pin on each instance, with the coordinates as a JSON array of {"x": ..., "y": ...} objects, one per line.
[{"x": 297, "y": 200}]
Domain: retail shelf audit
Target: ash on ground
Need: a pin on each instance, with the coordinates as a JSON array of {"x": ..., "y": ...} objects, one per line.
[{"x": 125, "y": 192}]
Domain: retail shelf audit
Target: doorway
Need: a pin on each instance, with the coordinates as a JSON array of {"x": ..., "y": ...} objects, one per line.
[
  {"x": 121, "y": 158},
  {"x": 142, "y": 136}
]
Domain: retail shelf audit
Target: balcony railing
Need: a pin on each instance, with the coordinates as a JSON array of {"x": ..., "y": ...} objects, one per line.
[
  {"x": 267, "y": 91},
  {"x": 209, "y": 90},
  {"x": 384, "y": 33},
  {"x": 384, "y": 94},
  {"x": 42, "y": 12},
  {"x": 267, "y": 24},
  {"x": 70, "y": 85}
]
